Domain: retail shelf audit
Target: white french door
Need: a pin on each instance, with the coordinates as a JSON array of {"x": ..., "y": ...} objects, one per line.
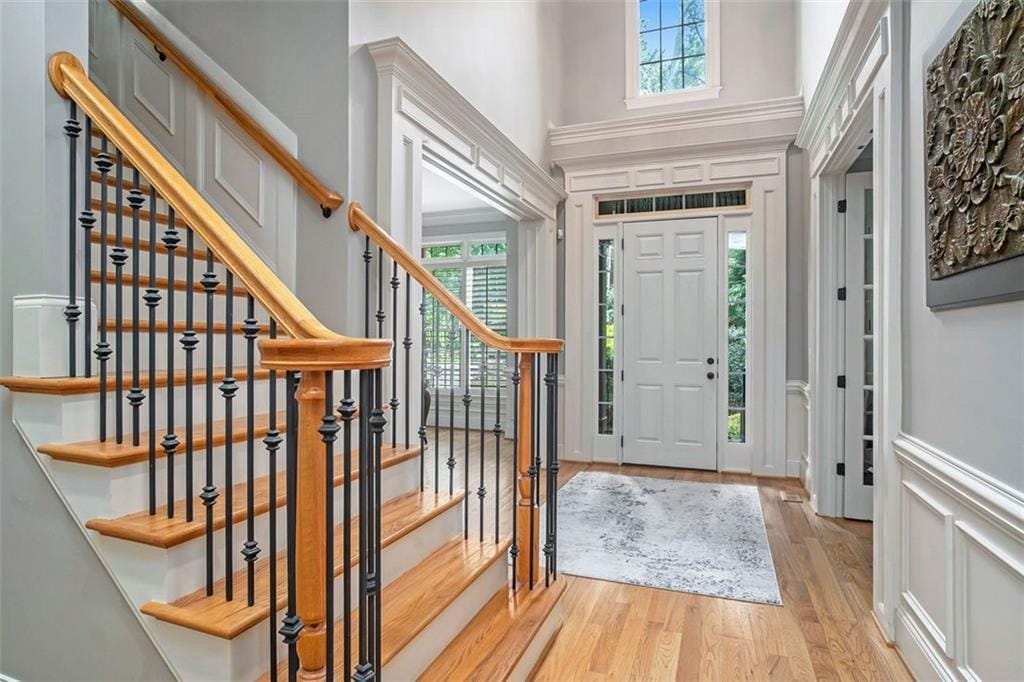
[
  {"x": 670, "y": 336},
  {"x": 859, "y": 351}
]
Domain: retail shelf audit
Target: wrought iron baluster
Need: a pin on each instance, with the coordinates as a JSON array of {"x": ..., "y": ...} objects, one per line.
[
  {"x": 170, "y": 439},
  {"x": 394, "y": 403},
  {"x": 514, "y": 550},
  {"x": 118, "y": 256},
  {"x": 422, "y": 431},
  {"x": 87, "y": 220},
  {"x": 189, "y": 341},
  {"x": 228, "y": 388},
  {"x": 377, "y": 424},
  {"x": 436, "y": 373},
  {"x": 347, "y": 410},
  {"x": 553, "y": 462},
  {"x": 381, "y": 315},
  {"x": 329, "y": 433},
  {"x": 251, "y": 549},
  {"x": 135, "y": 394},
  {"x": 452, "y": 337},
  {"x": 407, "y": 344},
  {"x": 549, "y": 433},
  {"x": 532, "y": 471},
  {"x": 209, "y": 495},
  {"x": 291, "y": 626},
  {"x": 367, "y": 259},
  {"x": 152, "y": 298},
  {"x": 467, "y": 400},
  {"x": 272, "y": 441},
  {"x": 72, "y": 128},
  {"x": 364, "y": 671},
  {"x": 103, "y": 351},
  {"x": 497, "y": 444},
  {"x": 481, "y": 492}
]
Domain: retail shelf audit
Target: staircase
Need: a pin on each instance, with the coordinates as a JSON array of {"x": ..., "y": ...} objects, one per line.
[{"x": 264, "y": 490}]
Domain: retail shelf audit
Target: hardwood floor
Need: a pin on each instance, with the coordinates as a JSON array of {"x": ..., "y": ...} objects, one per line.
[{"x": 824, "y": 630}]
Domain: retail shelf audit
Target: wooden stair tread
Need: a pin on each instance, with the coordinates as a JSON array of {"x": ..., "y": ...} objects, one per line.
[
  {"x": 180, "y": 326},
  {"x": 83, "y": 385},
  {"x": 112, "y": 454},
  {"x": 227, "y": 619},
  {"x": 418, "y": 596},
  {"x": 159, "y": 531},
  {"x": 490, "y": 647},
  {"x": 162, "y": 283},
  {"x": 198, "y": 253}
]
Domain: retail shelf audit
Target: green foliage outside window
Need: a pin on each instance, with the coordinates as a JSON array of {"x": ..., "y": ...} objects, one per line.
[{"x": 737, "y": 337}]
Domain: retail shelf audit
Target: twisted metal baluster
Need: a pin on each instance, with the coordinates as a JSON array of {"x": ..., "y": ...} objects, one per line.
[
  {"x": 209, "y": 495},
  {"x": 251, "y": 548},
  {"x": 170, "y": 439},
  {"x": 118, "y": 256},
  {"x": 228, "y": 388},
  {"x": 189, "y": 341}
]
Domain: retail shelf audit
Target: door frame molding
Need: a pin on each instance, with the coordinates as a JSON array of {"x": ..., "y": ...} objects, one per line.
[{"x": 859, "y": 98}]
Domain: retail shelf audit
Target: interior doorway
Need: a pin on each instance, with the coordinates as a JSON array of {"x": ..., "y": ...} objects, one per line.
[
  {"x": 670, "y": 343},
  {"x": 856, "y": 300}
]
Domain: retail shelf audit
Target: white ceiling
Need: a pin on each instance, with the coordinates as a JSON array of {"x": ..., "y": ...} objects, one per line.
[{"x": 442, "y": 195}]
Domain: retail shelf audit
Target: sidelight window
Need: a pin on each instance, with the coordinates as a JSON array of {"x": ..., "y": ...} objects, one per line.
[
  {"x": 605, "y": 336},
  {"x": 737, "y": 323}
]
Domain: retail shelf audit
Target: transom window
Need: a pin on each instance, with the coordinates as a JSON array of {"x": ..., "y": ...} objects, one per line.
[
  {"x": 672, "y": 45},
  {"x": 475, "y": 270}
]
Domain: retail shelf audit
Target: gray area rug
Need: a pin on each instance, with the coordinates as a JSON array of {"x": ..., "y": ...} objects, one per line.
[{"x": 706, "y": 538}]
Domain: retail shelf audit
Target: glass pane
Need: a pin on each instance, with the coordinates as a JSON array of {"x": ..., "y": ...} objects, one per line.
[
  {"x": 737, "y": 426},
  {"x": 605, "y": 386},
  {"x": 693, "y": 11},
  {"x": 671, "y": 43},
  {"x": 693, "y": 72},
  {"x": 650, "y": 79},
  {"x": 693, "y": 40},
  {"x": 671, "y": 12},
  {"x": 869, "y": 211},
  {"x": 649, "y": 15},
  {"x": 869, "y": 462},
  {"x": 612, "y": 206},
  {"x": 649, "y": 47},
  {"x": 672, "y": 202},
  {"x": 869, "y": 261},
  {"x": 869, "y": 312},
  {"x": 700, "y": 200},
  {"x": 737, "y": 390},
  {"x": 869, "y": 362},
  {"x": 442, "y": 251},
  {"x": 605, "y": 419},
  {"x": 672, "y": 75},
  {"x": 487, "y": 249},
  {"x": 869, "y": 412}
]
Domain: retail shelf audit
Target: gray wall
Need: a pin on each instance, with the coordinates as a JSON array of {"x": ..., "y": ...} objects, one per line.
[
  {"x": 963, "y": 370},
  {"x": 62, "y": 617},
  {"x": 758, "y": 56},
  {"x": 293, "y": 57}
]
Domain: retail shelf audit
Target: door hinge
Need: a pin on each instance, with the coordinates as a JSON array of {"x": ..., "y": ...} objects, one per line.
[
  {"x": 623, "y": 243},
  {"x": 841, "y": 206},
  {"x": 841, "y": 293},
  {"x": 840, "y": 468},
  {"x": 622, "y": 441},
  {"x": 841, "y": 381},
  {"x": 622, "y": 375},
  {"x": 622, "y": 310}
]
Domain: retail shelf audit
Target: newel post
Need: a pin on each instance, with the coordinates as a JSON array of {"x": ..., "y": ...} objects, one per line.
[{"x": 528, "y": 536}]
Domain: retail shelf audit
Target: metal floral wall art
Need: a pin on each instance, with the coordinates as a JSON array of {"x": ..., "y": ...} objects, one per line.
[{"x": 974, "y": 104}]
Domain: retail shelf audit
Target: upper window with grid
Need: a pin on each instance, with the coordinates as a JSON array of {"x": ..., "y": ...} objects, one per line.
[{"x": 673, "y": 52}]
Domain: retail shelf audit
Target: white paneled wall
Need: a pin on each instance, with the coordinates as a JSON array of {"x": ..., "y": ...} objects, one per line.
[{"x": 961, "y": 575}]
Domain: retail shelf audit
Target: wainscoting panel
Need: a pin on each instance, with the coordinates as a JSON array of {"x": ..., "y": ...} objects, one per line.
[
  {"x": 797, "y": 404},
  {"x": 961, "y": 609}
]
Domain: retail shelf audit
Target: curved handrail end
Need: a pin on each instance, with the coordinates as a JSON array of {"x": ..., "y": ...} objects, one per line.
[{"x": 54, "y": 67}]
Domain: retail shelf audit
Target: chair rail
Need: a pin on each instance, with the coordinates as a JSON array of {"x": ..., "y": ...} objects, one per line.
[
  {"x": 70, "y": 80},
  {"x": 359, "y": 221},
  {"x": 328, "y": 199}
]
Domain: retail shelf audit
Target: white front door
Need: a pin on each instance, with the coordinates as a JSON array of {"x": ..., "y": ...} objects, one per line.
[
  {"x": 669, "y": 325},
  {"x": 859, "y": 396}
]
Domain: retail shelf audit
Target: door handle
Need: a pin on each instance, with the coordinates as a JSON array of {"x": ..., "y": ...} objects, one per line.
[{"x": 711, "y": 375}]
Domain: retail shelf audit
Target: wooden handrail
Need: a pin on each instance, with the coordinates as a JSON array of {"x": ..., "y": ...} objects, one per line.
[
  {"x": 328, "y": 199},
  {"x": 360, "y": 221},
  {"x": 71, "y": 81}
]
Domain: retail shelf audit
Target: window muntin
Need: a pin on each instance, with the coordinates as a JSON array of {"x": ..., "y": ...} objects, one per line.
[
  {"x": 476, "y": 272},
  {"x": 672, "y": 45},
  {"x": 736, "y": 335},
  {"x": 605, "y": 336}
]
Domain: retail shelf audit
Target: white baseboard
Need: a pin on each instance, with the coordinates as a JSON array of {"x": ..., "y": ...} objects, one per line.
[{"x": 797, "y": 404}]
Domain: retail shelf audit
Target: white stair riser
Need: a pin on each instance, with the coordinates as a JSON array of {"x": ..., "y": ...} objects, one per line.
[
  {"x": 247, "y": 656},
  {"x": 153, "y": 573},
  {"x": 533, "y": 654},
  {"x": 417, "y": 655},
  {"x": 73, "y": 418}
]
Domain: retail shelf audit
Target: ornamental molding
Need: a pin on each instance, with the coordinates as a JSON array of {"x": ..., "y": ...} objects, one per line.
[{"x": 425, "y": 97}]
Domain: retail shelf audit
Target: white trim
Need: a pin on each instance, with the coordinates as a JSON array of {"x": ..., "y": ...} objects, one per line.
[
  {"x": 712, "y": 61},
  {"x": 463, "y": 216}
]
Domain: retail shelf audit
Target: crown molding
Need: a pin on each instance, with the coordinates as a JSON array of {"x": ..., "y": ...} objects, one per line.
[
  {"x": 855, "y": 36},
  {"x": 485, "y": 144},
  {"x": 464, "y": 216},
  {"x": 766, "y": 125}
]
